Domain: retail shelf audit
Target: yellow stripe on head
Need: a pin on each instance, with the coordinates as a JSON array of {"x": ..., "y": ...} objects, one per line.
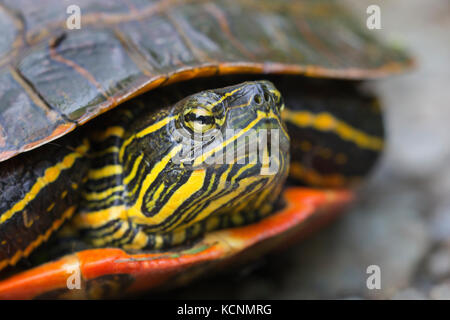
[
  {"x": 260, "y": 115},
  {"x": 148, "y": 130},
  {"x": 135, "y": 210},
  {"x": 133, "y": 172},
  {"x": 226, "y": 95}
]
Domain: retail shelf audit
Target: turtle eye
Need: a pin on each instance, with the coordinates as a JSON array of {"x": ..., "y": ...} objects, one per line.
[
  {"x": 257, "y": 99},
  {"x": 199, "y": 120}
]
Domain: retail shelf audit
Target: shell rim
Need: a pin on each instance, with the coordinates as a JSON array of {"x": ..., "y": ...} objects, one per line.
[{"x": 188, "y": 73}]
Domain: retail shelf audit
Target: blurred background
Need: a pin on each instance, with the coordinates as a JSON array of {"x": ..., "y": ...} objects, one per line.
[{"x": 402, "y": 220}]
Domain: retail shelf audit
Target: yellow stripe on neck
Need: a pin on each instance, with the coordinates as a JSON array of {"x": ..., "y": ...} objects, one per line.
[
  {"x": 326, "y": 122},
  {"x": 106, "y": 171},
  {"x": 314, "y": 178},
  {"x": 95, "y": 196},
  {"x": 51, "y": 174},
  {"x": 117, "y": 131},
  {"x": 41, "y": 238}
]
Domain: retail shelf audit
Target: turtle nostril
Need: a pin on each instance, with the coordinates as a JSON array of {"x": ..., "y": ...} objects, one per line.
[{"x": 267, "y": 96}]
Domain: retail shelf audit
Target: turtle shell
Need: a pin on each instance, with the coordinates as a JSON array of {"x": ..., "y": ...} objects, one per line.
[{"x": 53, "y": 79}]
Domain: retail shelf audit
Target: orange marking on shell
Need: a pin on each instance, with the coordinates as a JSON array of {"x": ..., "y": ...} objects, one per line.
[
  {"x": 58, "y": 132},
  {"x": 237, "y": 67},
  {"x": 190, "y": 73}
]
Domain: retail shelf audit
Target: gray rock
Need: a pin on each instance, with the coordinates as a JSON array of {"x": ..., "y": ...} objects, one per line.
[
  {"x": 390, "y": 234},
  {"x": 439, "y": 263},
  {"x": 441, "y": 291},
  {"x": 409, "y": 294},
  {"x": 440, "y": 223}
]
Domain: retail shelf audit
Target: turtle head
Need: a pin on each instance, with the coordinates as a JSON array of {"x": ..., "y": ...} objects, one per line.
[
  {"x": 222, "y": 160},
  {"x": 231, "y": 122},
  {"x": 233, "y": 127}
]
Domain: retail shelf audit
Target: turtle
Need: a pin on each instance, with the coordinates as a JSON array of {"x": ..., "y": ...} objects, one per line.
[{"x": 145, "y": 197}]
